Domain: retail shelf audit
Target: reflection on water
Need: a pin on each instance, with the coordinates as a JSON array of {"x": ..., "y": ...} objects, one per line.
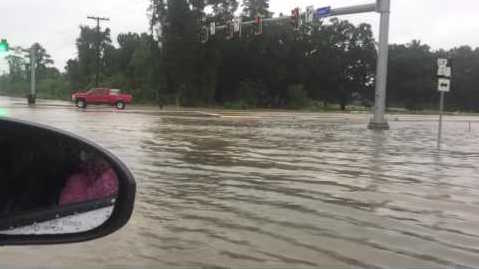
[{"x": 294, "y": 191}]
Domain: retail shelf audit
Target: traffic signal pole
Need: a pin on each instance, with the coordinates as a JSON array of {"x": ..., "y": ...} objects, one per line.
[
  {"x": 378, "y": 122},
  {"x": 32, "y": 96},
  {"x": 33, "y": 91}
]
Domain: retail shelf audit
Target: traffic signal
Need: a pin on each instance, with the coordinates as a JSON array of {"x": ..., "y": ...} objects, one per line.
[
  {"x": 212, "y": 28},
  {"x": 258, "y": 25},
  {"x": 237, "y": 23},
  {"x": 295, "y": 18},
  {"x": 4, "y": 47},
  {"x": 204, "y": 35}
]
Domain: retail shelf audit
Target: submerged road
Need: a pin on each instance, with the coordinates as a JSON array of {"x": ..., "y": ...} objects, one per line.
[{"x": 276, "y": 189}]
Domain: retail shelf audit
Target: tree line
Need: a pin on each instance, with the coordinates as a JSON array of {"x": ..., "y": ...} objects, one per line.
[{"x": 322, "y": 64}]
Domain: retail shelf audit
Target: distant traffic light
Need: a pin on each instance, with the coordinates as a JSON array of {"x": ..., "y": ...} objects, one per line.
[
  {"x": 212, "y": 28},
  {"x": 295, "y": 18},
  {"x": 258, "y": 24},
  {"x": 4, "y": 47},
  {"x": 230, "y": 30},
  {"x": 237, "y": 25}
]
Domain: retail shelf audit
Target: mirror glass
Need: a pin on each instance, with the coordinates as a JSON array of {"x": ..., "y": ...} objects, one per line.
[{"x": 53, "y": 184}]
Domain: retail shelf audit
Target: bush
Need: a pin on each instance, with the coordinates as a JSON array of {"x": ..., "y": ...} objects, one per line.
[
  {"x": 237, "y": 105},
  {"x": 57, "y": 88},
  {"x": 297, "y": 97},
  {"x": 252, "y": 94}
]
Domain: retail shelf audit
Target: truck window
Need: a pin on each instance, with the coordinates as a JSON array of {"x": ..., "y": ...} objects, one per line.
[
  {"x": 114, "y": 92},
  {"x": 100, "y": 92}
]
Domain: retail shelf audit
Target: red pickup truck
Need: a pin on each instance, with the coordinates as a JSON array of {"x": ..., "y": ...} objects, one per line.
[{"x": 100, "y": 96}]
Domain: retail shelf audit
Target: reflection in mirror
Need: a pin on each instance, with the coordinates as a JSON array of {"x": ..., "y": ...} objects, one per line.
[{"x": 53, "y": 185}]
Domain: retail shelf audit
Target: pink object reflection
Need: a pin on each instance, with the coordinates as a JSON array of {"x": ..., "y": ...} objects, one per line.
[{"x": 88, "y": 186}]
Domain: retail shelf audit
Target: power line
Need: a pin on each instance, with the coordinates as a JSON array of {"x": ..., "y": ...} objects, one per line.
[{"x": 98, "y": 19}]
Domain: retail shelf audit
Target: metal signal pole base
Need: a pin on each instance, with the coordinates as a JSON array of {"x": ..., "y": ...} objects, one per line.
[
  {"x": 379, "y": 126},
  {"x": 32, "y": 99}
]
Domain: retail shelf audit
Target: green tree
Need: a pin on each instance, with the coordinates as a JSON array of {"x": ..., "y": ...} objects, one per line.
[
  {"x": 223, "y": 10},
  {"x": 180, "y": 50},
  {"x": 341, "y": 61},
  {"x": 464, "y": 94},
  {"x": 87, "y": 52},
  {"x": 74, "y": 74},
  {"x": 411, "y": 75},
  {"x": 43, "y": 62},
  {"x": 333, "y": 62},
  {"x": 16, "y": 66},
  {"x": 253, "y": 8}
]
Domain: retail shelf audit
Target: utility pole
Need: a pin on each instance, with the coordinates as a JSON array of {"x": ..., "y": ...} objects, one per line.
[
  {"x": 32, "y": 96},
  {"x": 98, "y": 19}
]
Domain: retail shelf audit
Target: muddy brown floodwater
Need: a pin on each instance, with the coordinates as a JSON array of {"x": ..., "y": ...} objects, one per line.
[{"x": 277, "y": 190}]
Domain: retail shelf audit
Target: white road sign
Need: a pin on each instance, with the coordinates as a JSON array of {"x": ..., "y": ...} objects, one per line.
[
  {"x": 444, "y": 71},
  {"x": 213, "y": 28},
  {"x": 444, "y": 85},
  {"x": 441, "y": 62}
]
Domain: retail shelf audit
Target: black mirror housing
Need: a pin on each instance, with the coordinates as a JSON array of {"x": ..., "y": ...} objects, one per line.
[{"x": 123, "y": 200}]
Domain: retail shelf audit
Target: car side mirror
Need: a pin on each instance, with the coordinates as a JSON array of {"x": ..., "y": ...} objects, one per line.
[{"x": 56, "y": 187}]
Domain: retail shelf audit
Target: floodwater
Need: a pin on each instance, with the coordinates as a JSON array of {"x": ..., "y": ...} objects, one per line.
[{"x": 275, "y": 190}]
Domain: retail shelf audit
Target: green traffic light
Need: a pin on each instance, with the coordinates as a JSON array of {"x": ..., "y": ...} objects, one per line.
[{"x": 4, "y": 47}]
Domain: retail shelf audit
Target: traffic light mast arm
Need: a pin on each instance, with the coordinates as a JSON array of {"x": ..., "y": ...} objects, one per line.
[
  {"x": 334, "y": 12},
  {"x": 222, "y": 27},
  {"x": 354, "y": 9}
]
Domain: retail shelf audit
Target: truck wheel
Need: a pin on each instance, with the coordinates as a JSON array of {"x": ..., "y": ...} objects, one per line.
[
  {"x": 81, "y": 104},
  {"x": 120, "y": 105}
]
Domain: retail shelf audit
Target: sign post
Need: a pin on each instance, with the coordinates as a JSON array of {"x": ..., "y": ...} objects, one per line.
[
  {"x": 444, "y": 73},
  {"x": 33, "y": 92}
]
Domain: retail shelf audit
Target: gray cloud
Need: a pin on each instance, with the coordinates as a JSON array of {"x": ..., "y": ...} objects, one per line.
[{"x": 55, "y": 23}]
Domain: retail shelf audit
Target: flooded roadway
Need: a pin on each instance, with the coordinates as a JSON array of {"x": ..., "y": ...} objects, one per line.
[{"x": 277, "y": 190}]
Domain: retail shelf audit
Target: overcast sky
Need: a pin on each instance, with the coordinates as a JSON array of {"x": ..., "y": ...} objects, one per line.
[{"x": 55, "y": 23}]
